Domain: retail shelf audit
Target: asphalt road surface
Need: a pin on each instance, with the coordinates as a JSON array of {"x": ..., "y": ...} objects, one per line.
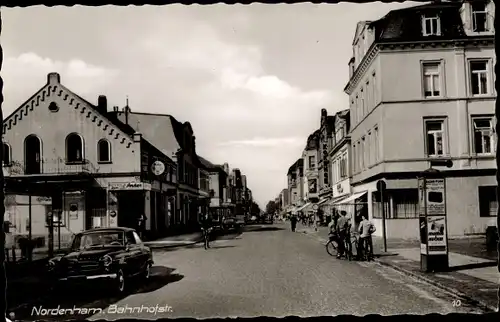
[{"x": 267, "y": 270}]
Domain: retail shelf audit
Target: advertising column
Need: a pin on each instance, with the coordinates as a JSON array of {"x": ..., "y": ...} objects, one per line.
[{"x": 432, "y": 222}]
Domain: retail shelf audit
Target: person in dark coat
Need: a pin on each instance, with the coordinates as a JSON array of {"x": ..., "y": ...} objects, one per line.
[{"x": 293, "y": 221}]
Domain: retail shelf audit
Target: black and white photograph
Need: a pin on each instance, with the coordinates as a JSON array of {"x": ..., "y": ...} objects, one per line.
[{"x": 215, "y": 161}]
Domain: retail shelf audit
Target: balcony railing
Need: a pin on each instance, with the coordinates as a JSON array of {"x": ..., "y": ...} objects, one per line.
[{"x": 49, "y": 166}]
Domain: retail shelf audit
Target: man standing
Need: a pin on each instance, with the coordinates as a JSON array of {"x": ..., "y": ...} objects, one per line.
[
  {"x": 293, "y": 221},
  {"x": 342, "y": 233},
  {"x": 366, "y": 229}
]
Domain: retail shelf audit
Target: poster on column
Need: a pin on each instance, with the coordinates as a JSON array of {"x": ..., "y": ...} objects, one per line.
[
  {"x": 436, "y": 235},
  {"x": 436, "y": 201},
  {"x": 423, "y": 234}
]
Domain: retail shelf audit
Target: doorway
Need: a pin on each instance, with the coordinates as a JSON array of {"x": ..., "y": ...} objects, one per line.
[
  {"x": 130, "y": 207},
  {"x": 32, "y": 155}
]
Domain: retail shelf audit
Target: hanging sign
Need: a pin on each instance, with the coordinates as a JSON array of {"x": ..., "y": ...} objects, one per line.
[
  {"x": 158, "y": 168},
  {"x": 129, "y": 186}
]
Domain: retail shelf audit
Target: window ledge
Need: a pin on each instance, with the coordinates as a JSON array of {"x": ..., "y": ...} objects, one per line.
[
  {"x": 74, "y": 162},
  {"x": 483, "y": 156},
  {"x": 104, "y": 162}
]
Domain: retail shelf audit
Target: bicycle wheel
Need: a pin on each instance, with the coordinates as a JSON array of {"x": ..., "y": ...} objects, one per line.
[{"x": 331, "y": 248}]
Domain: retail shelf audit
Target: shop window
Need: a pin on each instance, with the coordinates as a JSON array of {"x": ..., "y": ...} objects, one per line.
[
  {"x": 103, "y": 151},
  {"x": 404, "y": 203},
  {"x": 488, "y": 201},
  {"x": 74, "y": 148},
  {"x": 7, "y": 158}
]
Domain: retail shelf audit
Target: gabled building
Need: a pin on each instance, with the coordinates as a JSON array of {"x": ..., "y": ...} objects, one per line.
[
  {"x": 310, "y": 157},
  {"x": 81, "y": 167},
  {"x": 421, "y": 90},
  {"x": 177, "y": 140},
  {"x": 295, "y": 177},
  {"x": 217, "y": 182}
]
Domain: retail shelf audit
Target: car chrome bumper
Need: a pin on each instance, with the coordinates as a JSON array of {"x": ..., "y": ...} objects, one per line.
[{"x": 91, "y": 277}]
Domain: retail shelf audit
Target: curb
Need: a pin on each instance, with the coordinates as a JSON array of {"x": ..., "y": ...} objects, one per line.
[
  {"x": 181, "y": 244},
  {"x": 480, "y": 303}
]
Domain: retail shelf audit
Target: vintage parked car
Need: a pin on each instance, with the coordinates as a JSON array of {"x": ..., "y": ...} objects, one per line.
[
  {"x": 103, "y": 254},
  {"x": 230, "y": 224}
]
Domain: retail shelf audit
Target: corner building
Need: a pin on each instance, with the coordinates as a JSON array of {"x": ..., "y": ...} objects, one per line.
[{"x": 421, "y": 94}]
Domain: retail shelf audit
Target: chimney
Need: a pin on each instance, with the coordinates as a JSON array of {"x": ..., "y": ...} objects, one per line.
[
  {"x": 116, "y": 108},
  {"x": 53, "y": 78},
  {"x": 102, "y": 104}
]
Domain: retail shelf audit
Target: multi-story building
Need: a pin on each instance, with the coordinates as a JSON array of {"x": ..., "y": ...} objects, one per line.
[
  {"x": 284, "y": 199},
  {"x": 80, "y": 168},
  {"x": 425, "y": 93},
  {"x": 310, "y": 163},
  {"x": 176, "y": 140},
  {"x": 295, "y": 181},
  {"x": 339, "y": 160},
  {"x": 215, "y": 186},
  {"x": 326, "y": 133}
]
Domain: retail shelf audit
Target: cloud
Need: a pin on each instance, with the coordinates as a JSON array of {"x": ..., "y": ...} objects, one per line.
[
  {"x": 30, "y": 70},
  {"x": 265, "y": 142}
]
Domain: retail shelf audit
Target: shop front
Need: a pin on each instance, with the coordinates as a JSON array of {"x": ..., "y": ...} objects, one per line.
[{"x": 127, "y": 202}]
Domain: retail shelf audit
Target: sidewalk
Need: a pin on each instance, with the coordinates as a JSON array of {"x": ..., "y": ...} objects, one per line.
[
  {"x": 175, "y": 241},
  {"x": 473, "y": 273}
]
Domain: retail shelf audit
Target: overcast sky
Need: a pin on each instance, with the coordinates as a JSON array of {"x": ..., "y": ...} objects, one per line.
[{"x": 251, "y": 79}]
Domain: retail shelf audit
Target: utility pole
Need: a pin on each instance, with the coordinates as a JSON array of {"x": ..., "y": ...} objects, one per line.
[{"x": 381, "y": 187}]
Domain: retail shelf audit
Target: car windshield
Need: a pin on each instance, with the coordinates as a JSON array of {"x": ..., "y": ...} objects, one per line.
[{"x": 98, "y": 240}]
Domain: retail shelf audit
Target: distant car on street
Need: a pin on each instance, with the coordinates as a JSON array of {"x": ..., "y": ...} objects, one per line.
[
  {"x": 230, "y": 223},
  {"x": 111, "y": 255}
]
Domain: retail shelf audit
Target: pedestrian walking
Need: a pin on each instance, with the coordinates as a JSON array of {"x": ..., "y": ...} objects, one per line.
[
  {"x": 293, "y": 221},
  {"x": 141, "y": 225},
  {"x": 366, "y": 229},
  {"x": 342, "y": 223}
]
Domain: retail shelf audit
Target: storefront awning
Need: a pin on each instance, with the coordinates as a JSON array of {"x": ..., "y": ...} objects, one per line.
[
  {"x": 351, "y": 198},
  {"x": 304, "y": 206},
  {"x": 322, "y": 201}
]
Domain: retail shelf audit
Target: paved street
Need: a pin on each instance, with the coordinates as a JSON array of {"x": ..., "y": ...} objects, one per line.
[{"x": 268, "y": 270}]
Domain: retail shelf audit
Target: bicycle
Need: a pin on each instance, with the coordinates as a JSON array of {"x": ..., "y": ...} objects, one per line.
[{"x": 332, "y": 245}]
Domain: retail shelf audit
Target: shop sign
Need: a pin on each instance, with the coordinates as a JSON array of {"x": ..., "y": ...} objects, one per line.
[
  {"x": 435, "y": 197},
  {"x": 436, "y": 235},
  {"x": 73, "y": 211},
  {"x": 129, "y": 186},
  {"x": 158, "y": 168},
  {"x": 112, "y": 213}
]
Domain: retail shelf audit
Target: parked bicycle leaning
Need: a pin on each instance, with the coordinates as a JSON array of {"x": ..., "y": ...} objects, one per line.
[{"x": 342, "y": 227}]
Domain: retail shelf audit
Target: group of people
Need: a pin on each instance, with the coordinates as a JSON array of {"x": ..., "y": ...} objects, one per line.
[{"x": 340, "y": 229}]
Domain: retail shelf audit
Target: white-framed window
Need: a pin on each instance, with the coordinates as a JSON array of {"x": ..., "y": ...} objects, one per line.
[
  {"x": 363, "y": 153},
  {"x": 358, "y": 110},
  {"x": 368, "y": 96},
  {"x": 312, "y": 162},
  {"x": 370, "y": 147},
  {"x": 362, "y": 98},
  {"x": 431, "y": 79},
  {"x": 479, "y": 78},
  {"x": 435, "y": 137},
  {"x": 354, "y": 160},
  {"x": 479, "y": 16},
  {"x": 484, "y": 135},
  {"x": 377, "y": 144},
  {"x": 431, "y": 25},
  {"x": 374, "y": 89}
]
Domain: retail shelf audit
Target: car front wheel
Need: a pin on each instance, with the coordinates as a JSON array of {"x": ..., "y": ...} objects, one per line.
[
  {"x": 147, "y": 271},
  {"x": 120, "y": 281}
]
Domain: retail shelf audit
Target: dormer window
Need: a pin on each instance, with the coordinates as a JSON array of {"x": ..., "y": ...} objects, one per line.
[
  {"x": 479, "y": 16},
  {"x": 431, "y": 26}
]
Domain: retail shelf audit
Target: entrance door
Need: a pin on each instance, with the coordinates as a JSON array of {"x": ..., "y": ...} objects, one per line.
[
  {"x": 130, "y": 207},
  {"x": 32, "y": 155}
]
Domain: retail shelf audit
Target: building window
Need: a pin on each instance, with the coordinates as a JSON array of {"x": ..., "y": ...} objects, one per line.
[
  {"x": 374, "y": 89},
  {"x": 343, "y": 167},
  {"x": 74, "y": 148},
  {"x": 362, "y": 97},
  {"x": 488, "y": 201},
  {"x": 435, "y": 138},
  {"x": 479, "y": 16},
  {"x": 354, "y": 156},
  {"x": 370, "y": 148},
  {"x": 479, "y": 77},
  {"x": 7, "y": 155},
  {"x": 404, "y": 204},
  {"x": 377, "y": 144},
  {"x": 431, "y": 26},
  {"x": 312, "y": 162},
  {"x": 103, "y": 151},
  {"x": 368, "y": 96},
  {"x": 432, "y": 83},
  {"x": 363, "y": 153},
  {"x": 483, "y": 135}
]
